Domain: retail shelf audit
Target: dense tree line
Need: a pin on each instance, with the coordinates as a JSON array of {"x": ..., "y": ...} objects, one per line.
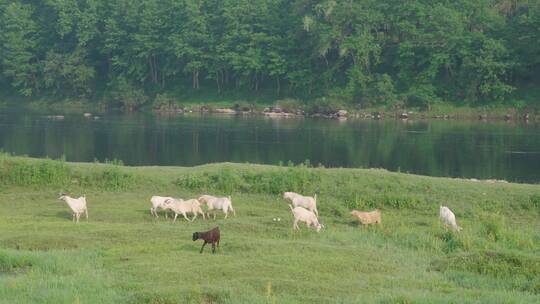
[{"x": 367, "y": 52}]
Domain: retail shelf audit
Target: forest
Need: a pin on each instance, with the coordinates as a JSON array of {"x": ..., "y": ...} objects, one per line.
[{"x": 364, "y": 52}]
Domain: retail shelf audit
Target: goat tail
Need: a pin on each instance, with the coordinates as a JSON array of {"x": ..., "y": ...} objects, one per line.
[
  {"x": 290, "y": 206},
  {"x": 315, "y": 197}
]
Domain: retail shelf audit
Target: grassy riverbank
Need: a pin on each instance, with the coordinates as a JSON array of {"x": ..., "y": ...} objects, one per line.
[
  {"x": 258, "y": 105},
  {"x": 123, "y": 255}
]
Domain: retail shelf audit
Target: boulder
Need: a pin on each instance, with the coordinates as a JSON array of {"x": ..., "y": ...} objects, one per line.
[
  {"x": 225, "y": 111},
  {"x": 342, "y": 113},
  {"x": 404, "y": 115}
]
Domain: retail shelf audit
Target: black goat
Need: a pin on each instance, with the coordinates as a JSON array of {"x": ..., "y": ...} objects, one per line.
[{"x": 210, "y": 236}]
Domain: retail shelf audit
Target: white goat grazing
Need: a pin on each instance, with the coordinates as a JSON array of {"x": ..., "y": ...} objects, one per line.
[
  {"x": 447, "y": 217},
  {"x": 217, "y": 203},
  {"x": 303, "y": 215},
  {"x": 77, "y": 205},
  {"x": 158, "y": 202},
  {"x": 180, "y": 206},
  {"x": 298, "y": 200}
]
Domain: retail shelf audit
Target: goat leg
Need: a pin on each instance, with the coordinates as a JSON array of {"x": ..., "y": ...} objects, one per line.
[{"x": 202, "y": 247}]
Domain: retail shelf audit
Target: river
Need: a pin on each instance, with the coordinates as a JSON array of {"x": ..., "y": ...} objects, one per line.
[{"x": 471, "y": 149}]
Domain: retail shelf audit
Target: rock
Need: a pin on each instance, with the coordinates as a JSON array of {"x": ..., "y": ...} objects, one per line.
[
  {"x": 225, "y": 111},
  {"x": 404, "y": 115},
  {"x": 277, "y": 110},
  {"x": 482, "y": 117},
  {"x": 87, "y": 114},
  {"x": 279, "y": 115},
  {"x": 526, "y": 116},
  {"x": 507, "y": 117},
  {"x": 96, "y": 117},
  {"x": 377, "y": 115},
  {"x": 56, "y": 117},
  {"x": 266, "y": 110},
  {"x": 342, "y": 113}
]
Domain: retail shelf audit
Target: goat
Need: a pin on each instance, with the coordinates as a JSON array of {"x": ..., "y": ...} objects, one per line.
[
  {"x": 447, "y": 217},
  {"x": 367, "y": 218},
  {"x": 217, "y": 203},
  {"x": 210, "y": 236},
  {"x": 77, "y": 205},
  {"x": 303, "y": 215},
  {"x": 158, "y": 202},
  {"x": 180, "y": 206},
  {"x": 298, "y": 200}
]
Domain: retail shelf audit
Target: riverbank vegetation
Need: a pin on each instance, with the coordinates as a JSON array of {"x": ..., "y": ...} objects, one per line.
[
  {"x": 123, "y": 255},
  {"x": 390, "y": 54}
]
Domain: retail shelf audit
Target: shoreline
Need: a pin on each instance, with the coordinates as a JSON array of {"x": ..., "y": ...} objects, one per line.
[{"x": 445, "y": 112}]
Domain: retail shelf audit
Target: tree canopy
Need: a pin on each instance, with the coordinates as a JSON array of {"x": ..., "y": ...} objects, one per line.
[{"x": 366, "y": 52}]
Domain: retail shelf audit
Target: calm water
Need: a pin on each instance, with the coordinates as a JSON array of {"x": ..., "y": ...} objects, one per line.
[{"x": 439, "y": 148}]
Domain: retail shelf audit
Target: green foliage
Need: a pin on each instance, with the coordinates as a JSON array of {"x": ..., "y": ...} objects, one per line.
[
  {"x": 451, "y": 241},
  {"x": 368, "y": 53},
  {"x": 325, "y": 105},
  {"x": 58, "y": 174},
  {"x": 293, "y": 178},
  {"x": 290, "y": 105},
  {"x": 493, "y": 226},
  {"x": 127, "y": 94},
  {"x": 532, "y": 203},
  {"x": 25, "y": 173},
  {"x": 492, "y": 263}
]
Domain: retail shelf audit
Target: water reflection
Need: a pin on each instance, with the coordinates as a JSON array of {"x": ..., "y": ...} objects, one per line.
[{"x": 438, "y": 148}]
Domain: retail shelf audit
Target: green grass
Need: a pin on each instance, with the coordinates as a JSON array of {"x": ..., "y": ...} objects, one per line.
[{"x": 123, "y": 255}]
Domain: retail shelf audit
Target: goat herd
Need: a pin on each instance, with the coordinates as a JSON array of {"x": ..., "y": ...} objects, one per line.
[{"x": 304, "y": 209}]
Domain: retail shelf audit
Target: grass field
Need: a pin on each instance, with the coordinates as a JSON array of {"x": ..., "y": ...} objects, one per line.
[{"x": 123, "y": 255}]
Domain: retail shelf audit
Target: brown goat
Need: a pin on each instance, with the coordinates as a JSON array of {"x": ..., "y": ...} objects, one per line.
[{"x": 210, "y": 236}]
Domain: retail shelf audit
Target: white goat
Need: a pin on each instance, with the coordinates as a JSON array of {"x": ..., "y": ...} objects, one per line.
[
  {"x": 447, "y": 217},
  {"x": 158, "y": 202},
  {"x": 298, "y": 200},
  {"x": 218, "y": 203},
  {"x": 301, "y": 214},
  {"x": 180, "y": 206},
  {"x": 77, "y": 205}
]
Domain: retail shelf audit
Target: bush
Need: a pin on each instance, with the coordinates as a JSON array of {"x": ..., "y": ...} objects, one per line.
[
  {"x": 492, "y": 263},
  {"x": 290, "y": 105},
  {"x": 451, "y": 240},
  {"x": 534, "y": 202},
  {"x": 26, "y": 173},
  {"x": 325, "y": 106},
  {"x": 300, "y": 178},
  {"x": 58, "y": 174},
  {"x": 493, "y": 227}
]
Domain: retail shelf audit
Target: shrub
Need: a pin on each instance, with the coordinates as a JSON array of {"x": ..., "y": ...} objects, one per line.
[
  {"x": 400, "y": 202},
  {"x": 290, "y": 105},
  {"x": 27, "y": 173},
  {"x": 492, "y": 263},
  {"x": 58, "y": 174},
  {"x": 534, "y": 202},
  {"x": 325, "y": 106},
  {"x": 493, "y": 227},
  {"x": 300, "y": 178},
  {"x": 451, "y": 240}
]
